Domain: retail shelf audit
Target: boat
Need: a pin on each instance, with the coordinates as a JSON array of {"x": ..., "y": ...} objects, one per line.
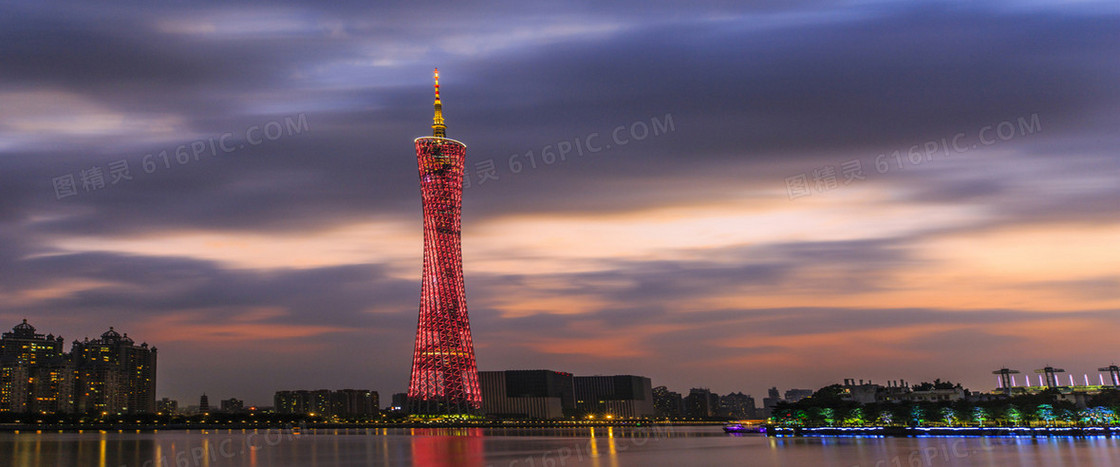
[{"x": 740, "y": 428}]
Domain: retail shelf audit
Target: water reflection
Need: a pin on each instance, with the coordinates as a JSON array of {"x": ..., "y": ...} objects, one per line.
[
  {"x": 612, "y": 446},
  {"x": 438, "y": 447},
  {"x": 533, "y": 447}
]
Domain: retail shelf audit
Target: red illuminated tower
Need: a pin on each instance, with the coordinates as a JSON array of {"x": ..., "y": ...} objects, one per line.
[{"x": 444, "y": 376}]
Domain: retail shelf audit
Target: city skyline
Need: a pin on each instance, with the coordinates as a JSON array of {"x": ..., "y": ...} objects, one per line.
[
  {"x": 725, "y": 196},
  {"x": 1106, "y": 376}
]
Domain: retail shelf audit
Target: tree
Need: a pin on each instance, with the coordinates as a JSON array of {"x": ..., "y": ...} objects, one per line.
[
  {"x": 828, "y": 416},
  {"x": 1012, "y": 414},
  {"x": 886, "y": 417},
  {"x": 936, "y": 384},
  {"x": 788, "y": 415},
  {"x": 1045, "y": 413},
  {"x": 979, "y": 415},
  {"x": 1106, "y": 398},
  {"x": 828, "y": 395},
  {"x": 1098, "y": 416},
  {"x": 917, "y": 415},
  {"x": 949, "y": 415},
  {"x": 854, "y": 417}
]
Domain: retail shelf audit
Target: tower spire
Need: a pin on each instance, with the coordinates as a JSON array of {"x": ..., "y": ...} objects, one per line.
[{"x": 438, "y": 128}]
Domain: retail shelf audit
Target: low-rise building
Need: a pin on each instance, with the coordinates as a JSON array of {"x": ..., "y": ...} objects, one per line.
[
  {"x": 527, "y": 394},
  {"x": 620, "y": 396}
]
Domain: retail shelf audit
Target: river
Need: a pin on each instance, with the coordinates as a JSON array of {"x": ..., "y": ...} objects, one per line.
[{"x": 534, "y": 447}]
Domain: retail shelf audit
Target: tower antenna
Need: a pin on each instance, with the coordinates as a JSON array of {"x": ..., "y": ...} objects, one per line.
[{"x": 439, "y": 130}]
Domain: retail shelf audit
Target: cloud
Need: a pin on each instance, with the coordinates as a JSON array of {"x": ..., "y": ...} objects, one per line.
[{"x": 799, "y": 347}]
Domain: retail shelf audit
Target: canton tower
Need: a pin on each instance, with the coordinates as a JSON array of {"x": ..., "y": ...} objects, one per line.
[{"x": 444, "y": 377}]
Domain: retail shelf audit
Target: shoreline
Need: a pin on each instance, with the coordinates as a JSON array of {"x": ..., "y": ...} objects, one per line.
[
  {"x": 770, "y": 430},
  {"x": 917, "y": 432},
  {"x": 151, "y": 427}
]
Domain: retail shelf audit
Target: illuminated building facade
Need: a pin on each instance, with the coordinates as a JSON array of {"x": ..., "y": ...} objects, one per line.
[
  {"x": 444, "y": 378},
  {"x": 699, "y": 403},
  {"x": 737, "y": 405},
  {"x": 34, "y": 372},
  {"x": 233, "y": 405},
  {"x": 114, "y": 375},
  {"x": 668, "y": 404},
  {"x": 167, "y": 406},
  {"x": 355, "y": 403},
  {"x": 302, "y": 401},
  {"x": 346, "y": 403},
  {"x": 111, "y": 374}
]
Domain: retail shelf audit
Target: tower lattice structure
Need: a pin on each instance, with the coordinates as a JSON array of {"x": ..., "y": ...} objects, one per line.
[{"x": 444, "y": 378}]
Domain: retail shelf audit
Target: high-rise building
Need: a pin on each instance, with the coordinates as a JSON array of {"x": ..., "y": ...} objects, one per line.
[
  {"x": 167, "y": 406},
  {"x": 288, "y": 402},
  {"x": 355, "y": 403},
  {"x": 34, "y": 372},
  {"x": 302, "y": 401},
  {"x": 737, "y": 405},
  {"x": 794, "y": 395},
  {"x": 621, "y": 396},
  {"x": 444, "y": 378},
  {"x": 114, "y": 375},
  {"x": 667, "y": 403},
  {"x": 108, "y": 375},
  {"x": 773, "y": 397},
  {"x": 399, "y": 401},
  {"x": 716, "y": 403},
  {"x": 232, "y": 405},
  {"x": 698, "y": 403},
  {"x": 540, "y": 394},
  {"x": 346, "y": 403}
]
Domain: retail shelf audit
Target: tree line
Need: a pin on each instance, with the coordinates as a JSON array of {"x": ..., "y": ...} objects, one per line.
[{"x": 829, "y": 406}]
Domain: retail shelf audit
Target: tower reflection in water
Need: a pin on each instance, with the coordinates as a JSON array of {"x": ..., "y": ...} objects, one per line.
[{"x": 447, "y": 447}]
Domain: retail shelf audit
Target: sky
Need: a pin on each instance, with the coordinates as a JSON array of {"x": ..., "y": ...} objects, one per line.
[{"x": 732, "y": 195}]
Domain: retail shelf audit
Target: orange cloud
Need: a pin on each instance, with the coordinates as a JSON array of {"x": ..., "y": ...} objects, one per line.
[{"x": 235, "y": 328}]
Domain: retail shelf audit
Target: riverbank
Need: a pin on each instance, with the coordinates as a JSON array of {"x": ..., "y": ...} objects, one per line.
[
  {"x": 910, "y": 432},
  {"x": 116, "y": 427}
]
